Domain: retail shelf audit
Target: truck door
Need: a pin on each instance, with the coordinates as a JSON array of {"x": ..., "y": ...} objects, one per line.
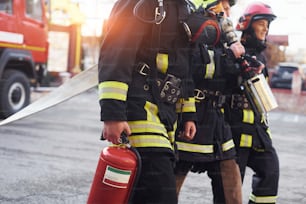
[
  {"x": 8, "y": 24},
  {"x": 34, "y": 28}
]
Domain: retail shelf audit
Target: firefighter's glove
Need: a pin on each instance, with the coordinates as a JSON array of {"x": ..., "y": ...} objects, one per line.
[
  {"x": 237, "y": 49},
  {"x": 255, "y": 65}
]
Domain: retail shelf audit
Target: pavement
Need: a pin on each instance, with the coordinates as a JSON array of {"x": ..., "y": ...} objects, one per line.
[{"x": 51, "y": 157}]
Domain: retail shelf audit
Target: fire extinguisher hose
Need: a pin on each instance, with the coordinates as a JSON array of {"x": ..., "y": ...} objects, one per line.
[
  {"x": 138, "y": 172},
  {"x": 124, "y": 140}
]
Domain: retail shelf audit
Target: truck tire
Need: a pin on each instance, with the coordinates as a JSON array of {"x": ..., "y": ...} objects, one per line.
[{"x": 15, "y": 92}]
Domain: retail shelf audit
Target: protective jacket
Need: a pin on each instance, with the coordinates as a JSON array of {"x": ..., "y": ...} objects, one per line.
[
  {"x": 249, "y": 129},
  {"x": 213, "y": 140},
  {"x": 212, "y": 149},
  {"x": 253, "y": 141},
  {"x": 144, "y": 73}
]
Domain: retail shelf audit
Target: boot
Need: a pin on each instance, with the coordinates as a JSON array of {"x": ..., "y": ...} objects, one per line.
[{"x": 231, "y": 179}]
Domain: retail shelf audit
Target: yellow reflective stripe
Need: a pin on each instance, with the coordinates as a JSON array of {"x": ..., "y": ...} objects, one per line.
[
  {"x": 179, "y": 105},
  {"x": 262, "y": 118},
  {"x": 149, "y": 141},
  {"x": 186, "y": 105},
  {"x": 228, "y": 145},
  {"x": 222, "y": 110},
  {"x": 248, "y": 116},
  {"x": 269, "y": 133},
  {"x": 171, "y": 136},
  {"x": 246, "y": 140},
  {"x": 189, "y": 105},
  {"x": 147, "y": 126},
  {"x": 210, "y": 68},
  {"x": 187, "y": 147},
  {"x": 263, "y": 199},
  {"x": 23, "y": 46},
  {"x": 113, "y": 90},
  {"x": 162, "y": 62},
  {"x": 152, "y": 111}
]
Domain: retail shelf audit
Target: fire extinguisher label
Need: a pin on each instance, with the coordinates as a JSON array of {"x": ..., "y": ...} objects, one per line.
[{"x": 117, "y": 178}]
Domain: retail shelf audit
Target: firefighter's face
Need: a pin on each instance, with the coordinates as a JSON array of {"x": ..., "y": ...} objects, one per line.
[
  {"x": 226, "y": 8},
  {"x": 261, "y": 28}
]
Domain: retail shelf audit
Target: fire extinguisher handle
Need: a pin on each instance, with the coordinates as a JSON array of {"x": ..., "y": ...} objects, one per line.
[{"x": 124, "y": 138}]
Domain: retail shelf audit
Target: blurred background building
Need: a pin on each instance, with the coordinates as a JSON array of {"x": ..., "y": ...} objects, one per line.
[{"x": 77, "y": 26}]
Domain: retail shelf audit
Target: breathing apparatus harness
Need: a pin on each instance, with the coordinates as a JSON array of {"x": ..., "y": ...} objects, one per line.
[
  {"x": 223, "y": 31},
  {"x": 165, "y": 89},
  {"x": 160, "y": 12}
]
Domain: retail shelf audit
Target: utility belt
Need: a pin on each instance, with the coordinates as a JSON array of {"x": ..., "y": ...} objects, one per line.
[
  {"x": 169, "y": 86},
  {"x": 239, "y": 101},
  {"x": 216, "y": 97}
]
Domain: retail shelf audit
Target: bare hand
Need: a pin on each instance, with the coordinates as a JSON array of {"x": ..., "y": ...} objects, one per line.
[
  {"x": 112, "y": 130},
  {"x": 189, "y": 131}
]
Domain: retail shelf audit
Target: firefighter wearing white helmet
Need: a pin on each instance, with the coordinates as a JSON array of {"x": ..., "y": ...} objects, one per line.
[
  {"x": 251, "y": 135},
  {"x": 212, "y": 149}
]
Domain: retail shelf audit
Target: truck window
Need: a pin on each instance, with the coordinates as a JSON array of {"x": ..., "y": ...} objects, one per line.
[
  {"x": 33, "y": 9},
  {"x": 6, "y": 6}
]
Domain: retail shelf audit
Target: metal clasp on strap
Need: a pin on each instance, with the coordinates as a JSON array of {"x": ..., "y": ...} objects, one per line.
[
  {"x": 198, "y": 94},
  {"x": 160, "y": 13},
  {"x": 143, "y": 69},
  {"x": 221, "y": 100}
]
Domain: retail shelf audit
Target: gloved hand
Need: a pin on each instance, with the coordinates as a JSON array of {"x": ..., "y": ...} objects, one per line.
[
  {"x": 237, "y": 49},
  {"x": 250, "y": 66},
  {"x": 257, "y": 65},
  {"x": 253, "y": 64}
]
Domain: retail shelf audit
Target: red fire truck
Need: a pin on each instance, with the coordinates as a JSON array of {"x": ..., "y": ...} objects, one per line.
[{"x": 23, "y": 52}]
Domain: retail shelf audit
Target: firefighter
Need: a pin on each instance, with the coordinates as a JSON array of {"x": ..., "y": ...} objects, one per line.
[
  {"x": 144, "y": 79},
  {"x": 251, "y": 134},
  {"x": 212, "y": 149}
]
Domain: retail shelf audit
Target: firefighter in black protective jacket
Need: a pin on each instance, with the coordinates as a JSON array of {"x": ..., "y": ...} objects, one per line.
[
  {"x": 144, "y": 80},
  {"x": 250, "y": 131},
  {"x": 212, "y": 149}
]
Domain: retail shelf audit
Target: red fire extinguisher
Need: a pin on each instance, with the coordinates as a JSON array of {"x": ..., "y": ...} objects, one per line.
[{"x": 116, "y": 175}]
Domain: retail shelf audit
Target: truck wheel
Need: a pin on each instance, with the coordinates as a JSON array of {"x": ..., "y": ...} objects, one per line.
[{"x": 14, "y": 92}]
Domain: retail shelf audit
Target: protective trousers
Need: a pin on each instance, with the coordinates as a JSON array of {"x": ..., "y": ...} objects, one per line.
[
  {"x": 157, "y": 178},
  {"x": 225, "y": 181},
  {"x": 265, "y": 165}
]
